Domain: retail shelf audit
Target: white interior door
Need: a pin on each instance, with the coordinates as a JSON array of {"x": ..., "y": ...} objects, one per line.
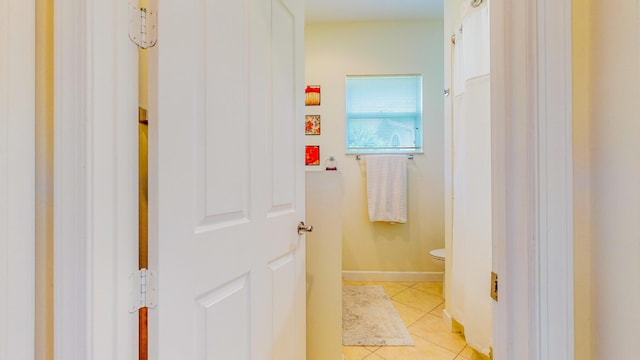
[{"x": 227, "y": 181}]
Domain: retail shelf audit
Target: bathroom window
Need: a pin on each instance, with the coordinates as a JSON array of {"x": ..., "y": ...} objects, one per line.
[{"x": 384, "y": 114}]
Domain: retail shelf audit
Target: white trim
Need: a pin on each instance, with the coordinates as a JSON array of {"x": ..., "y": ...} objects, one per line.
[
  {"x": 95, "y": 190},
  {"x": 70, "y": 285},
  {"x": 17, "y": 179},
  {"x": 555, "y": 181},
  {"x": 513, "y": 115},
  {"x": 532, "y": 188},
  {"x": 393, "y": 276},
  {"x": 512, "y": 178},
  {"x": 499, "y": 100},
  {"x": 450, "y": 323}
]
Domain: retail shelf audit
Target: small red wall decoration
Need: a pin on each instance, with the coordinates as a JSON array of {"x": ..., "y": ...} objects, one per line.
[
  {"x": 312, "y": 125},
  {"x": 312, "y": 155},
  {"x": 312, "y": 95}
]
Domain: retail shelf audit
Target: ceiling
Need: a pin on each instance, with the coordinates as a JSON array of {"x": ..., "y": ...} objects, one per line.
[{"x": 370, "y": 10}]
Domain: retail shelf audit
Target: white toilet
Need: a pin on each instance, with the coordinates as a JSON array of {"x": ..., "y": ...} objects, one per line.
[{"x": 439, "y": 256}]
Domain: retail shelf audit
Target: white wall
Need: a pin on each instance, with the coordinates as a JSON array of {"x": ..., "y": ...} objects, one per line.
[
  {"x": 334, "y": 50},
  {"x": 615, "y": 178},
  {"x": 324, "y": 265},
  {"x": 17, "y": 184}
]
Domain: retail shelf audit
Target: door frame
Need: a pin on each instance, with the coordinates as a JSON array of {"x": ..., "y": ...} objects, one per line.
[
  {"x": 17, "y": 178},
  {"x": 95, "y": 180},
  {"x": 531, "y": 111},
  {"x": 532, "y": 178}
]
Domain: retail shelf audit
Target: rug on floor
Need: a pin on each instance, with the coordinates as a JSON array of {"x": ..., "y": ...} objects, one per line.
[{"x": 369, "y": 318}]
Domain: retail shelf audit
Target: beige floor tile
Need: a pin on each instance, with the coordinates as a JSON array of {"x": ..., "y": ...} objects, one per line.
[
  {"x": 374, "y": 356},
  {"x": 422, "y": 350},
  {"x": 418, "y": 299},
  {"x": 408, "y": 314},
  {"x": 438, "y": 310},
  {"x": 355, "y": 352},
  {"x": 420, "y": 306},
  {"x": 392, "y": 288},
  {"x": 430, "y": 287},
  {"x": 431, "y": 328},
  {"x": 470, "y": 354},
  {"x": 467, "y": 352}
]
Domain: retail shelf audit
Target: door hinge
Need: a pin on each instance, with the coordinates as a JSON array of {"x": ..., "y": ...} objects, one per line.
[
  {"x": 494, "y": 286},
  {"x": 143, "y": 290},
  {"x": 143, "y": 29}
]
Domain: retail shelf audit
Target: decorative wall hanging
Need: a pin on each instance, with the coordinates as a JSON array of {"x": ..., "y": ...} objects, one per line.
[
  {"x": 312, "y": 124},
  {"x": 312, "y": 95},
  {"x": 312, "y": 155}
]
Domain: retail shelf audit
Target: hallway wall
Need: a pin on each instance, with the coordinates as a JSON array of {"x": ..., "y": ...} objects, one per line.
[
  {"x": 613, "y": 152},
  {"x": 334, "y": 50},
  {"x": 582, "y": 85},
  {"x": 44, "y": 181},
  {"x": 17, "y": 179}
]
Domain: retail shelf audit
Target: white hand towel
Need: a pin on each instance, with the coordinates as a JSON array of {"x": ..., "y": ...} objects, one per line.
[{"x": 387, "y": 188}]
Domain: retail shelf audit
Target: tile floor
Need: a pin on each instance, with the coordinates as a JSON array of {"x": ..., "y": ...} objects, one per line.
[{"x": 420, "y": 306}]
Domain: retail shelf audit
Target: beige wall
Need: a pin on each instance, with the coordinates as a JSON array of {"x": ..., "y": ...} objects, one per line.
[
  {"x": 606, "y": 177},
  {"x": 334, "y": 50},
  {"x": 452, "y": 9},
  {"x": 615, "y": 178},
  {"x": 582, "y": 83},
  {"x": 44, "y": 181}
]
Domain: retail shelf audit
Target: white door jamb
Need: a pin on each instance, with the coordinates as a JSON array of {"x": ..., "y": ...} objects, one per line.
[
  {"x": 95, "y": 180},
  {"x": 532, "y": 192}
]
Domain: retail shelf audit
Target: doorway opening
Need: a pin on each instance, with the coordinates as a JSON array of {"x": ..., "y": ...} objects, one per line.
[{"x": 393, "y": 255}]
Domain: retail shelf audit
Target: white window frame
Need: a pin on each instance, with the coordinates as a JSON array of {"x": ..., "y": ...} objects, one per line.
[{"x": 418, "y": 133}]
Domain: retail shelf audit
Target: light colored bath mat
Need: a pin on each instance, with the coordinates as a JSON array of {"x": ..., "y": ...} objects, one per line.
[{"x": 369, "y": 318}]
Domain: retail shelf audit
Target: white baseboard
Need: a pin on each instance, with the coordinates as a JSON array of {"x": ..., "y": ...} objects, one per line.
[
  {"x": 451, "y": 324},
  {"x": 392, "y": 276},
  {"x": 447, "y": 320}
]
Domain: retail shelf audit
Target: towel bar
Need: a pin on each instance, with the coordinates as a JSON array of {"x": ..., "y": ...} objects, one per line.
[{"x": 409, "y": 156}]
